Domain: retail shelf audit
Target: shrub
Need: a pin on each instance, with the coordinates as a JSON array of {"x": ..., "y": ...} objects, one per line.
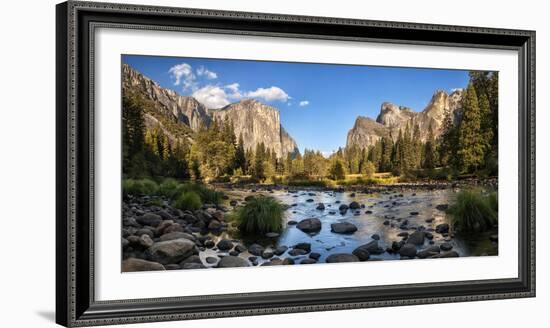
[
  {"x": 206, "y": 194},
  {"x": 168, "y": 188},
  {"x": 259, "y": 216},
  {"x": 473, "y": 211},
  {"x": 188, "y": 201},
  {"x": 139, "y": 187}
]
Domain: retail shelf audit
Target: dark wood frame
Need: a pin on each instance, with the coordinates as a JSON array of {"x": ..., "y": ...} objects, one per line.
[{"x": 76, "y": 22}]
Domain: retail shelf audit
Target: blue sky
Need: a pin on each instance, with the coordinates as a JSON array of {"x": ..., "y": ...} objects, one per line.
[{"x": 318, "y": 102}]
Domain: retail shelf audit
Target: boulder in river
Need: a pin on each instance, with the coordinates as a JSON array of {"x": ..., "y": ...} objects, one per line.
[
  {"x": 177, "y": 235},
  {"x": 225, "y": 245},
  {"x": 428, "y": 252},
  {"x": 372, "y": 247},
  {"x": 343, "y": 228},
  {"x": 446, "y": 247},
  {"x": 321, "y": 207},
  {"x": 354, "y": 205},
  {"x": 311, "y": 225},
  {"x": 305, "y": 246},
  {"x": 408, "y": 250},
  {"x": 232, "y": 262},
  {"x": 442, "y": 207},
  {"x": 361, "y": 253},
  {"x": 297, "y": 252},
  {"x": 256, "y": 249},
  {"x": 416, "y": 238},
  {"x": 341, "y": 258},
  {"x": 442, "y": 228}
]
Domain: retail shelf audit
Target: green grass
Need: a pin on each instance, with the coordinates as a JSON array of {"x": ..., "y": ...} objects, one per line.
[
  {"x": 188, "y": 201},
  {"x": 168, "y": 188},
  {"x": 259, "y": 216},
  {"x": 207, "y": 195},
  {"x": 474, "y": 211},
  {"x": 139, "y": 187}
]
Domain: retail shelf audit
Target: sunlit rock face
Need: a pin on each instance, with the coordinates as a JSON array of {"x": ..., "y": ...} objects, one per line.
[
  {"x": 393, "y": 118},
  {"x": 255, "y": 121},
  {"x": 258, "y": 123}
]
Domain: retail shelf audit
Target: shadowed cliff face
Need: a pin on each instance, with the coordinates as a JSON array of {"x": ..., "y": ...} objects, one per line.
[
  {"x": 392, "y": 118},
  {"x": 256, "y": 122}
]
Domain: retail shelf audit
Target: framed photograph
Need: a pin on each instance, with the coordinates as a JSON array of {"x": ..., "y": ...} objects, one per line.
[{"x": 215, "y": 163}]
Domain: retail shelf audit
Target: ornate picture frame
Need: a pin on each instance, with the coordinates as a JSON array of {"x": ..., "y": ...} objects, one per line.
[{"x": 77, "y": 22}]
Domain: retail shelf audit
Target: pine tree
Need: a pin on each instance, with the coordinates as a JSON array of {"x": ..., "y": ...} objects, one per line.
[
  {"x": 240, "y": 156},
  {"x": 448, "y": 140},
  {"x": 416, "y": 144},
  {"x": 429, "y": 150},
  {"x": 385, "y": 157},
  {"x": 470, "y": 146}
]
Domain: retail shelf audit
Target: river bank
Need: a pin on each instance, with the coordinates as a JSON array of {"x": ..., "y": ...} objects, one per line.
[{"x": 320, "y": 226}]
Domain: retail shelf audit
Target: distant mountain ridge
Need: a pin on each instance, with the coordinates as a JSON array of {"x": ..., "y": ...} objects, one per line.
[
  {"x": 255, "y": 121},
  {"x": 392, "y": 118}
]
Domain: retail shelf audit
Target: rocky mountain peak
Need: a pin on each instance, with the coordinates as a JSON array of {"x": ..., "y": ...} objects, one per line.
[
  {"x": 255, "y": 121},
  {"x": 393, "y": 118},
  {"x": 187, "y": 110}
]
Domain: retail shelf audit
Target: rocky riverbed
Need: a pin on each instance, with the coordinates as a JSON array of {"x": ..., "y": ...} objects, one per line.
[{"x": 320, "y": 226}]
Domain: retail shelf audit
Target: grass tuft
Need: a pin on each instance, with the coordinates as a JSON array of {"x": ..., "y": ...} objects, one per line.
[
  {"x": 259, "y": 216},
  {"x": 188, "y": 201},
  {"x": 474, "y": 211}
]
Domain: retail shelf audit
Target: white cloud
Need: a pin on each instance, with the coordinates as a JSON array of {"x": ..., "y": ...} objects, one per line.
[
  {"x": 203, "y": 71},
  {"x": 235, "y": 92},
  {"x": 304, "y": 103},
  {"x": 183, "y": 74},
  {"x": 211, "y": 96},
  {"x": 269, "y": 94}
]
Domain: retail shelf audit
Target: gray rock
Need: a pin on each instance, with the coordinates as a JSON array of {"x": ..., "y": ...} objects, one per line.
[
  {"x": 292, "y": 222},
  {"x": 315, "y": 256},
  {"x": 442, "y": 228},
  {"x": 171, "y": 251},
  {"x": 191, "y": 266},
  {"x": 211, "y": 260},
  {"x": 375, "y": 236},
  {"x": 312, "y": 225},
  {"x": 225, "y": 245},
  {"x": 172, "y": 267},
  {"x": 343, "y": 227},
  {"x": 149, "y": 219},
  {"x": 308, "y": 261},
  {"x": 361, "y": 253},
  {"x": 288, "y": 261},
  {"x": 442, "y": 207},
  {"x": 191, "y": 259},
  {"x": 428, "y": 252},
  {"x": 280, "y": 250},
  {"x": 416, "y": 238},
  {"x": 214, "y": 225},
  {"x": 321, "y": 207},
  {"x": 305, "y": 246},
  {"x": 354, "y": 205},
  {"x": 297, "y": 252},
  {"x": 272, "y": 235},
  {"x": 232, "y": 262},
  {"x": 256, "y": 249},
  {"x": 446, "y": 247},
  {"x": 133, "y": 264},
  {"x": 177, "y": 235},
  {"x": 267, "y": 254},
  {"x": 372, "y": 247},
  {"x": 145, "y": 241},
  {"x": 445, "y": 255},
  {"x": 408, "y": 250},
  {"x": 341, "y": 257}
]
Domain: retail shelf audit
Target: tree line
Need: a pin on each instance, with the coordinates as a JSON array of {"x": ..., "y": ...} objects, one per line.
[{"x": 467, "y": 144}]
